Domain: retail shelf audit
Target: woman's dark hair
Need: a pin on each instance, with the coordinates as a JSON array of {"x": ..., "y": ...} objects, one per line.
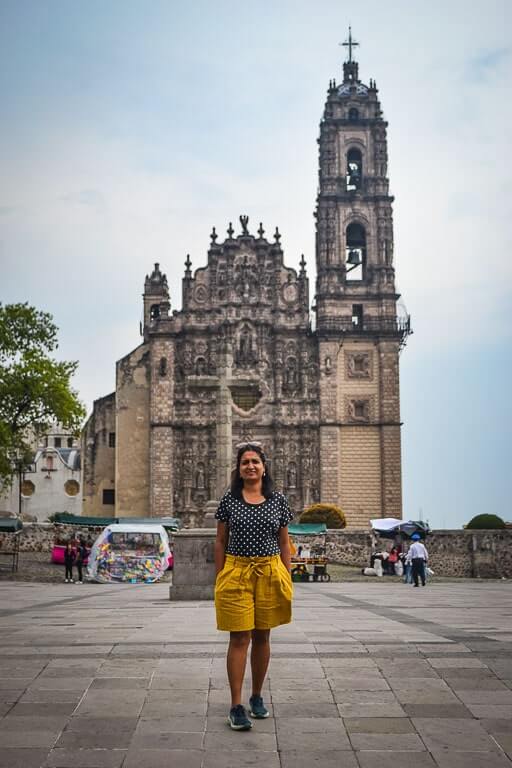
[{"x": 267, "y": 484}]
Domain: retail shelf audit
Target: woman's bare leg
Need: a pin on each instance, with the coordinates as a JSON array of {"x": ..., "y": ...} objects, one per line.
[
  {"x": 260, "y": 657},
  {"x": 236, "y": 660}
]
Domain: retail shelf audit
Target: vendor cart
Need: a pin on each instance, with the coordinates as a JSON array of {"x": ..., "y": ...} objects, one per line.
[{"x": 309, "y": 563}]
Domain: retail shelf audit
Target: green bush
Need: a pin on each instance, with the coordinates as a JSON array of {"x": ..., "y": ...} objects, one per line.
[
  {"x": 489, "y": 522},
  {"x": 330, "y": 514}
]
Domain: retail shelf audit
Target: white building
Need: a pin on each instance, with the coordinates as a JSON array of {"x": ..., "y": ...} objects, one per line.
[{"x": 52, "y": 482}]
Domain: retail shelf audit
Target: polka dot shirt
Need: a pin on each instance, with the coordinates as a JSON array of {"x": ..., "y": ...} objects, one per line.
[{"x": 254, "y": 528}]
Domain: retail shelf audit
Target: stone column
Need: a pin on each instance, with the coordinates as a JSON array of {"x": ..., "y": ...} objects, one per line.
[{"x": 224, "y": 422}]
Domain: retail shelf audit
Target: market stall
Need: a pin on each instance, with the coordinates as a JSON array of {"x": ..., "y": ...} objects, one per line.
[
  {"x": 132, "y": 553},
  {"x": 309, "y": 562}
]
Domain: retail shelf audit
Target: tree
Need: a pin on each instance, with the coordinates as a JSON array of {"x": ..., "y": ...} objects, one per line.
[
  {"x": 34, "y": 387},
  {"x": 486, "y": 522},
  {"x": 330, "y": 514}
]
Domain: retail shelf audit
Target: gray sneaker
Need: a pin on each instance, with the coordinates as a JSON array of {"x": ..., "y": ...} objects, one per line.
[
  {"x": 257, "y": 708},
  {"x": 238, "y": 719}
]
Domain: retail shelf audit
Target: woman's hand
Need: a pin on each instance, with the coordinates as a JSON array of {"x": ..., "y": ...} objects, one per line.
[
  {"x": 221, "y": 543},
  {"x": 284, "y": 547}
]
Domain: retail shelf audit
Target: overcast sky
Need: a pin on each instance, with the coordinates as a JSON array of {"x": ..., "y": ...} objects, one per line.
[{"x": 130, "y": 128}]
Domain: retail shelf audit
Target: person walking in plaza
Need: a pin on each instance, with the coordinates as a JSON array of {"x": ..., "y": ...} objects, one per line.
[
  {"x": 253, "y": 587},
  {"x": 81, "y": 557},
  {"x": 418, "y": 556},
  {"x": 69, "y": 559}
]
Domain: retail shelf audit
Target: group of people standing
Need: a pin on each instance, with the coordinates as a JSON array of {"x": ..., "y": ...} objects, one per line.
[{"x": 75, "y": 554}]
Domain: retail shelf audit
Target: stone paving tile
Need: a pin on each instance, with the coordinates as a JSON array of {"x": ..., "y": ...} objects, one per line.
[
  {"x": 114, "y": 739},
  {"x": 407, "y": 742},
  {"x": 392, "y": 759},
  {"x": 34, "y": 710},
  {"x": 22, "y": 758},
  {"x": 325, "y": 725},
  {"x": 85, "y": 758},
  {"x": 451, "y": 663},
  {"x": 240, "y": 740},
  {"x": 386, "y": 725},
  {"x": 289, "y": 711},
  {"x": 478, "y": 696},
  {"x": 503, "y": 711},
  {"x": 23, "y": 739},
  {"x": 371, "y": 710},
  {"x": 436, "y": 710},
  {"x": 228, "y": 759},
  {"x": 14, "y": 683},
  {"x": 324, "y": 758},
  {"x": 312, "y": 742},
  {"x": 280, "y": 696},
  {"x": 359, "y": 684},
  {"x": 471, "y": 760},
  {"x": 459, "y": 735}
]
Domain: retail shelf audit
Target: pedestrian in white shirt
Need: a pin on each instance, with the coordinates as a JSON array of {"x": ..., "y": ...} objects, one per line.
[{"x": 418, "y": 556}]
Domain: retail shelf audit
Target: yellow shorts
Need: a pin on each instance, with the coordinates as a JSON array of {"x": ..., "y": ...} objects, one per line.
[{"x": 253, "y": 593}]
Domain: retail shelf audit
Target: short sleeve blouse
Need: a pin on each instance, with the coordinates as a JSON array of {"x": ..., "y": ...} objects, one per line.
[{"x": 254, "y": 528}]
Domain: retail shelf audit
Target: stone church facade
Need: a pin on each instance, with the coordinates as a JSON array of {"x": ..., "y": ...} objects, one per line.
[{"x": 242, "y": 361}]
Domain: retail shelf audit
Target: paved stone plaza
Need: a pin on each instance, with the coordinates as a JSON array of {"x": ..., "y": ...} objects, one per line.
[{"x": 372, "y": 675}]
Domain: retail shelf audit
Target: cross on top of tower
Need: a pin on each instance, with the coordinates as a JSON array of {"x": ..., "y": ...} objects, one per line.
[{"x": 350, "y": 43}]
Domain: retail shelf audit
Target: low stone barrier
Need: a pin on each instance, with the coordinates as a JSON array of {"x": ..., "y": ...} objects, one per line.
[{"x": 463, "y": 553}]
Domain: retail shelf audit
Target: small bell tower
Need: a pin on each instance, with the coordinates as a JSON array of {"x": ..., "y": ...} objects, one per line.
[
  {"x": 156, "y": 299},
  {"x": 358, "y": 329}
]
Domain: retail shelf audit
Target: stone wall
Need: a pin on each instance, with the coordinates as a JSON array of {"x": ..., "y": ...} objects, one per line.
[
  {"x": 477, "y": 554},
  {"x": 40, "y": 537}
]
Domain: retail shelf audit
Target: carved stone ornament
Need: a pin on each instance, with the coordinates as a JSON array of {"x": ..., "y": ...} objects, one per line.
[
  {"x": 200, "y": 294},
  {"x": 359, "y": 410},
  {"x": 289, "y": 292},
  {"x": 359, "y": 365}
]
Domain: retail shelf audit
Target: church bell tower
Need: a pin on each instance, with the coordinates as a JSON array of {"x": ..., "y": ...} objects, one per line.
[{"x": 358, "y": 328}]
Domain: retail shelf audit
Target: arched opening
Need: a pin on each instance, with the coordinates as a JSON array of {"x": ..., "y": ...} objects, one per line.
[
  {"x": 354, "y": 170},
  {"x": 154, "y": 312},
  {"x": 353, "y": 115},
  {"x": 355, "y": 251}
]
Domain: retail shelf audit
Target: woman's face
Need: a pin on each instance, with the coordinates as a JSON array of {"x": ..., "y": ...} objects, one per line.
[{"x": 251, "y": 467}]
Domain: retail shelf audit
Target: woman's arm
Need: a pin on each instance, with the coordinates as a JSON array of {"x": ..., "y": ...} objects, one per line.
[
  {"x": 284, "y": 546},
  {"x": 221, "y": 543}
]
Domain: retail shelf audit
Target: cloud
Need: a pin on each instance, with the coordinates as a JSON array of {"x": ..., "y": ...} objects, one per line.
[{"x": 485, "y": 66}]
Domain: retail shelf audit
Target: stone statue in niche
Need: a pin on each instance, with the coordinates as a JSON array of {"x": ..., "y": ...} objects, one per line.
[
  {"x": 245, "y": 351},
  {"x": 328, "y": 365},
  {"x": 200, "y": 477},
  {"x": 200, "y": 366},
  {"x": 292, "y": 475},
  {"x": 290, "y": 383}
]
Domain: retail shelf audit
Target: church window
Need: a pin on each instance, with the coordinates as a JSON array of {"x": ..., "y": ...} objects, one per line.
[
  {"x": 357, "y": 315},
  {"x": 27, "y": 488},
  {"x": 111, "y": 439},
  {"x": 354, "y": 170},
  {"x": 70, "y": 442},
  {"x": 72, "y": 487},
  {"x": 355, "y": 251},
  {"x": 353, "y": 115},
  {"x": 109, "y": 496},
  {"x": 246, "y": 398},
  {"x": 154, "y": 312},
  {"x": 57, "y": 442},
  {"x": 162, "y": 367}
]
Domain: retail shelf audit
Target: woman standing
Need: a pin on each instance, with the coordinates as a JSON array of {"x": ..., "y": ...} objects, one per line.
[{"x": 253, "y": 588}]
